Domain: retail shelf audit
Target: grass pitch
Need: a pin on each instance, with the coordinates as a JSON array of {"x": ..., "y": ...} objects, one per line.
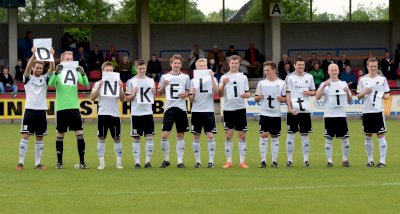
[{"x": 317, "y": 189}]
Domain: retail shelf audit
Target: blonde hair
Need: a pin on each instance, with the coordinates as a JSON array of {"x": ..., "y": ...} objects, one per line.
[
  {"x": 66, "y": 53},
  {"x": 201, "y": 60},
  {"x": 106, "y": 63},
  {"x": 176, "y": 56}
]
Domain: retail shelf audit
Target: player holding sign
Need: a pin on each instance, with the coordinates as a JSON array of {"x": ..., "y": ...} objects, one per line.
[
  {"x": 140, "y": 91},
  {"x": 67, "y": 106},
  {"x": 234, "y": 86},
  {"x": 337, "y": 95},
  {"x": 373, "y": 89},
  {"x": 203, "y": 111},
  {"x": 35, "y": 121},
  {"x": 176, "y": 86},
  {"x": 108, "y": 113},
  {"x": 300, "y": 86},
  {"x": 271, "y": 92}
]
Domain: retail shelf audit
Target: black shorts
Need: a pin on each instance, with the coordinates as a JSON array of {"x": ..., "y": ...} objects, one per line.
[
  {"x": 235, "y": 120},
  {"x": 108, "y": 122},
  {"x": 374, "y": 123},
  {"x": 204, "y": 120},
  {"x": 272, "y": 125},
  {"x": 142, "y": 125},
  {"x": 336, "y": 127},
  {"x": 177, "y": 116},
  {"x": 300, "y": 122},
  {"x": 34, "y": 122},
  {"x": 68, "y": 118}
]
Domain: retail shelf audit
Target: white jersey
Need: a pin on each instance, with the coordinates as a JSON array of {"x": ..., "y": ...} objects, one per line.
[
  {"x": 296, "y": 85},
  {"x": 373, "y": 102},
  {"x": 35, "y": 90},
  {"x": 182, "y": 78},
  {"x": 335, "y": 99},
  {"x": 139, "y": 109},
  {"x": 237, "y": 85},
  {"x": 203, "y": 102},
  {"x": 107, "y": 105},
  {"x": 270, "y": 106}
]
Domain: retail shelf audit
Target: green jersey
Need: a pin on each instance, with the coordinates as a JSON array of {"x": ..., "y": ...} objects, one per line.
[{"x": 66, "y": 95}]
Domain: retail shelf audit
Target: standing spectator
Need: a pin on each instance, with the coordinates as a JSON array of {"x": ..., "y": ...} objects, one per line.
[
  {"x": 7, "y": 82},
  {"x": 96, "y": 58},
  {"x": 343, "y": 62},
  {"x": 194, "y": 55},
  {"x": 19, "y": 71},
  {"x": 287, "y": 70},
  {"x": 64, "y": 42},
  {"x": 217, "y": 55},
  {"x": 326, "y": 62},
  {"x": 397, "y": 57},
  {"x": 318, "y": 75},
  {"x": 255, "y": 58},
  {"x": 387, "y": 66},
  {"x": 154, "y": 68},
  {"x": 82, "y": 58},
  {"x": 312, "y": 61},
  {"x": 85, "y": 44},
  {"x": 231, "y": 51},
  {"x": 24, "y": 47},
  {"x": 349, "y": 77},
  {"x": 112, "y": 53},
  {"x": 124, "y": 68},
  {"x": 281, "y": 65}
]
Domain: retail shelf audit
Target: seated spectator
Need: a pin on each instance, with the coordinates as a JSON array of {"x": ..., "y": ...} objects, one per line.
[
  {"x": 114, "y": 63},
  {"x": 154, "y": 68},
  {"x": 83, "y": 59},
  {"x": 194, "y": 55},
  {"x": 397, "y": 57},
  {"x": 218, "y": 57},
  {"x": 312, "y": 61},
  {"x": 281, "y": 64},
  {"x": 244, "y": 66},
  {"x": 225, "y": 66},
  {"x": 256, "y": 59},
  {"x": 360, "y": 73},
  {"x": 231, "y": 51},
  {"x": 287, "y": 69},
  {"x": 326, "y": 62},
  {"x": 112, "y": 53},
  {"x": 7, "y": 82},
  {"x": 318, "y": 75},
  {"x": 387, "y": 67},
  {"x": 343, "y": 62},
  {"x": 124, "y": 69},
  {"x": 370, "y": 55},
  {"x": 349, "y": 77},
  {"x": 19, "y": 71},
  {"x": 96, "y": 58},
  {"x": 85, "y": 44}
]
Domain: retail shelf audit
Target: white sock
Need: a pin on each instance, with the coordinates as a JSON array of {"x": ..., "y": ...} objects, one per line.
[
  {"x": 242, "y": 150},
  {"x": 118, "y": 151},
  {"x": 228, "y": 150},
  {"x": 136, "y": 151},
  {"x": 180, "y": 150},
  {"x": 290, "y": 145},
  {"x": 305, "y": 143},
  {"x": 263, "y": 149},
  {"x": 165, "y": 148},
  {"x": 100, "y": 151},
  {"x": 274, "y": 148},
  {"x": 149, "y": 148},
  {"x": 38, "y": 152},
  {"x": 328, "y": 149},
  {"x": 369, "y": 148},
  {"x": 196, "y": 150},
  {"x": 211, "y": 150},
  {"x": 345, "y": 148},
  {"x": 23, "y": 148},
  {"x": 382, "y": 149}
]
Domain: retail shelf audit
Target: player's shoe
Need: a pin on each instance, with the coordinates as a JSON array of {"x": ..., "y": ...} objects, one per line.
[
  {"x": 147, "y": 165},
  {"x": 306, "y": 164},
  {"x": 119, "y": 166},
  {"x": 83, "y": 166},
  {"x": 41, "y": 167},
  {"x": 197, "y": 165},
  {"x": 329, "y": 165},
  {"x": 59, "y": 165},
  {"x": 380, "y": 165},
  {"x": 210, "y": 165},
  {"x": 274, "y": 164},
  {"x": 262, "y": 164},
  {"x": 243, "y": 165},
  {"x": 289, "y": 164},
  {"x": 346, "y": 164},
  {"x": 101, "y": 167},
  {"x": 181, "y": 165},
  {"x": 164, "y": 164},
  {"x": 20, "y": 167},
  {"x": 228, "y": 165},
  {"x": 370, "y": 164},
  {"x": 137, "y": 166}
]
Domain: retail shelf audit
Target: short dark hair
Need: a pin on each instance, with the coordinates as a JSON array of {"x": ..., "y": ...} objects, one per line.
[
  {"x": 372, "y": 59},
  {"x": 270, "y": 63},
  {"x": 140, "y": 62},
  {"x": 298, "y": 59}
]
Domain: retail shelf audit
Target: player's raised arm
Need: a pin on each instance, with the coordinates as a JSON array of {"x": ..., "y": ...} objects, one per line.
[
  {"x": 29, "y": 65},
  {"x": 96, "y": 90},
  {"x": 52, "y": 64},
  {"x": 121, "y": 91}
]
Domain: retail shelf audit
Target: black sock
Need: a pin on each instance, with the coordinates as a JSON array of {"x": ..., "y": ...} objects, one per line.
[
  {"x": 81, "y": 147},
  {"x": 60, "y": 148}
]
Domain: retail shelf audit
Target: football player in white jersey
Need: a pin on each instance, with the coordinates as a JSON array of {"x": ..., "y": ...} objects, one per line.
[
  {"x": 374, "y": 88},
  {"x": 108, "y": 118},
  {"x": 337, "y": 94},
  {"x": 234, "y": 86},
  {"x": 203, "y": 116},
  {"x": 299, "y": 86},
  {"x": 142, "y": 122},
  {"x": 34, "y": 121},
  {"x": 176, "y": 86},
  {"x": 271, "y": 92}
]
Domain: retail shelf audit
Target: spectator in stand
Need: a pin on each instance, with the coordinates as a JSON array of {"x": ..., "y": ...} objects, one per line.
[
  {"x": 281, "y": 65},
  {"x": 397, "y": 57},
  {"x": 225, "y": 66},
  {"x": 96, "y": 58},
  {"x": 360, "y": 73},
  {"x": 287, "y": 69},
  {"x": 387, "y": 66},
  {"x": 326, "y": 62},
  {"x": 19, "y": 71},
  {"x": 255, "y": 58},
  {"x": 370, "y": 55},
  {"x": 85, "y": 44},
  {"x": 64, "y": 42},
  {"x": 115, "y": 63},
  {"x": 312, "y": 61},
  {"x": 82, "y": 58},
  {"x": 217, "y": 55},
  {"x": 231, "y": 52},
  {"x": 24, "y": 47},
  {"x": 7, "y": 82},
  {"x": 154, "y": 68},
  {"x": 343, "y": 62},
  {"x": 318, "y": 75},
  {"x": 194, "y": 55},
  {"x": 112, "y": 53},
  {"x": 244, "y": 66},
  {"x": 125, "y": 69},
  {"x": 349, "y": 77}
]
